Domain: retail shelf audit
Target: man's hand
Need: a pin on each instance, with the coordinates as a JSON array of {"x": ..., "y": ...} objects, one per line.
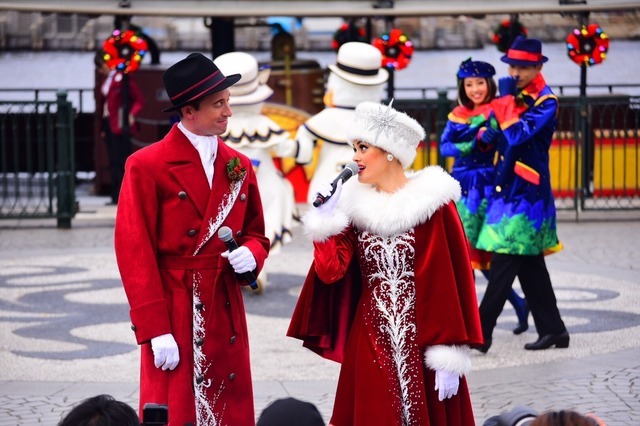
[
  {"x": 241, "y": 259},
  {"x": 508, "y": 86},
  {"x": 165, "y": 352}
]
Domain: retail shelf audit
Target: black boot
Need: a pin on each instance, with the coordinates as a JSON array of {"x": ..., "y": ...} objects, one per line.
[
  {"x": 545, "y": 342},
  {"x": 484, "y": 348}
]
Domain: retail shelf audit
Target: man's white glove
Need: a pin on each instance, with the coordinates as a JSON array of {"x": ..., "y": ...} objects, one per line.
[
  {"x": 165, "y": 352},
  {"x": 329, "y": 206},
  {"x": 446, "y": 384},
  {"x": 241, "y": 259}
]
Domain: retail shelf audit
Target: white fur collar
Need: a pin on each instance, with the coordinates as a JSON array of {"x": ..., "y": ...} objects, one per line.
[{"x": 388, "y": 214}]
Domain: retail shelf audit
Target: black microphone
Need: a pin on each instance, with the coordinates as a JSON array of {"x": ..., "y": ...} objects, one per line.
[
  {"x": 349, "y": 170},
  {"x": 226, "y": 236}
]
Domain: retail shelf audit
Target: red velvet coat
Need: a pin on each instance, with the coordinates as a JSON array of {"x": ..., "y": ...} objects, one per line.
[
  {"x": 176, "y": 281},
  {"x": 336, "y": 318}
]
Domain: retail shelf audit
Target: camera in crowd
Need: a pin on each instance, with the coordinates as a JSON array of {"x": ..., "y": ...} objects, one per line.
[{"x": 155, "y": 414}]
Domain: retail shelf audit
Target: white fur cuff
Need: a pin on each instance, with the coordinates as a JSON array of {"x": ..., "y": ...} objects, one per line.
[
  {"x": 319, "y": 227},
  {"x": 453, "y": 359}
]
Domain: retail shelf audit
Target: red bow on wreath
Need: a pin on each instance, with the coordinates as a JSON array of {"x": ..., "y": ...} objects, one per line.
[
  {"x": 588, "y": 45},
  {"x": 396, "y": 49},
  {"x": 123, "y": 51}
]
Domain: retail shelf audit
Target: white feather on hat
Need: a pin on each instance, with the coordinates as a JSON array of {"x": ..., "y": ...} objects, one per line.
[{"x": 390, "y": 130}]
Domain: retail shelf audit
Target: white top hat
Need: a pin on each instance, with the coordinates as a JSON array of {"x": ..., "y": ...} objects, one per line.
[
  {"x": 252, "y": 87},
  {"x": 360, "y": 63},
  {"x": 390, "y": 130}
]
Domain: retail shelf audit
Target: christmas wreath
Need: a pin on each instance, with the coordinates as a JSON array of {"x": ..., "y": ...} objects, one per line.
[
  {"x": 506, "y": 32},
  {"x": 396, "y": 49},
  {"x": 348, "y": 32},
  {"x": 123, "y": 51},
  {"x": 588, "y": 45}
]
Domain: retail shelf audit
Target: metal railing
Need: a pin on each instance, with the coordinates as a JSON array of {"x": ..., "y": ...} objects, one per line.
[
  {"x": 594, "y": 158},
  {"x": 37, "y": 174}
]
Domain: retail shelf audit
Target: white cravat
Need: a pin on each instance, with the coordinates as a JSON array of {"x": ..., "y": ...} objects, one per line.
[{"x": 207, "y": 147}]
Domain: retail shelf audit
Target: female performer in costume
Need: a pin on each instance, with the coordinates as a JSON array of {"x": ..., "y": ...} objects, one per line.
[
  {"x": 390, "y": 293},
  {"x": 470, "y": 137}
]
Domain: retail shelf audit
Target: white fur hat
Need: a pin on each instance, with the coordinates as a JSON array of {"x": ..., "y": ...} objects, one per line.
[
  {"x": 359, "y": 63},
  {"x": 382, "y": 126},
  {"x": 252, "y": 87}
]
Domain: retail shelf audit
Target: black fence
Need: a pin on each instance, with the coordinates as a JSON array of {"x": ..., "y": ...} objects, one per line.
[
  {"x": 37, "y": 172},
  {"x": 594, "y": 158}
]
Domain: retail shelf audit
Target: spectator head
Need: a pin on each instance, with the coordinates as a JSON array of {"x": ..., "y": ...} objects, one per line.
[
  {"x": 290, "y": 412},
  {"x": 564, "y": 418},
  {"x": 101, "y": 410}
]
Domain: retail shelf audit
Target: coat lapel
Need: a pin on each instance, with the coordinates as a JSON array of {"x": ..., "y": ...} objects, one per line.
[
  {"x": 185, "y": 166},
  {"x": 223, "y": 194}
]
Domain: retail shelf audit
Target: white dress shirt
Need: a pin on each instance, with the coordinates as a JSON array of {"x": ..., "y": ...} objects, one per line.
[{"x": 207, "y": 147}]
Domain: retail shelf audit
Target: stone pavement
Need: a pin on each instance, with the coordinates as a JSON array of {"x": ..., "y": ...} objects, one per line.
[{"x": 64, "y": 328}]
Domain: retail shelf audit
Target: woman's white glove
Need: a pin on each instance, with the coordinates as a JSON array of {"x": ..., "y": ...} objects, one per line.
[
  {"x": 165, "y": 352},
  {"x": 329, "y": 206},
  {"x": 446, "y": 384},
  {"x": 241, "y": 259}
]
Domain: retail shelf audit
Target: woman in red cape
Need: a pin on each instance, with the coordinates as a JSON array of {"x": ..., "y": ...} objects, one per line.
[{"x": 390, "y": 294}]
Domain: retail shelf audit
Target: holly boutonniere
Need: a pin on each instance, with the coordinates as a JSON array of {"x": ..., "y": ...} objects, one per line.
[{"x": 235, "y": 170}]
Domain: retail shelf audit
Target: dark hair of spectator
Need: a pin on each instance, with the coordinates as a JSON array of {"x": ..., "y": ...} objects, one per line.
[
  {"x": 563, "y": 418},
  {"x": 101, "y": 410}
]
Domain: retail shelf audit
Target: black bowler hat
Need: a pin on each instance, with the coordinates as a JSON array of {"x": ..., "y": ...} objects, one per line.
[
  {"x": 525, "y": 52},
  {"x": 192, "y": 78}
]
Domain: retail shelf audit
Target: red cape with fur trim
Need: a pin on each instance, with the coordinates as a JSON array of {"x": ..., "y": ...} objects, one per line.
[
  {"x": 441, "y": 257},
  {"x": 446, "y": 316}
]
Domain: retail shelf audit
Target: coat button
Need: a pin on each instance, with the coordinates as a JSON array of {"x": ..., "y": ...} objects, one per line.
[
  {"x": 232, "y": 376},
  {"x": 199, "y": 379},
  {"x": 199, "y": 342},
  {"x": 182, "y": 195},
  {"x": 227, "y": 304},
  {"x": 199, "y": 306},
  {"x": 243, "y": 197},
  {"x": 238, "y": 233},
  {"x": 133, "y": 327},
  {"x": 498, "y": 188},
  {"x": 192, "y": 232},
  {"x": 232, "y": 340}
]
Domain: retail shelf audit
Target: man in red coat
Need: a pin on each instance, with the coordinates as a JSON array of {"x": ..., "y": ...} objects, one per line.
[{"x": 182, "y": 284}]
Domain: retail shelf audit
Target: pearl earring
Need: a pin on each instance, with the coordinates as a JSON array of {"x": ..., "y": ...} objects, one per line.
[{"x": 389, "y": 157}]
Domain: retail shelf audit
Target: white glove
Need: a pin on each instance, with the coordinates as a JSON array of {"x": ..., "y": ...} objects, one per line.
[
  {"x": 329, "y": 206},
  {"x": 241, "y": 259},
  {"x": 165, "y": 352},
  {"x": 446, "y": 384}
]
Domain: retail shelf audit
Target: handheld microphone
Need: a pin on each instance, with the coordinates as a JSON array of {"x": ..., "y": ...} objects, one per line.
[
  {"x": 225, "y": 234},
  {"x": 349, "y": 170}
]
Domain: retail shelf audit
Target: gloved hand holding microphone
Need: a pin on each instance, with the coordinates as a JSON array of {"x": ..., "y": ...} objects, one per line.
[
  {"x": 329, "y": 192},
  {"x": 240, "y": 257}
]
